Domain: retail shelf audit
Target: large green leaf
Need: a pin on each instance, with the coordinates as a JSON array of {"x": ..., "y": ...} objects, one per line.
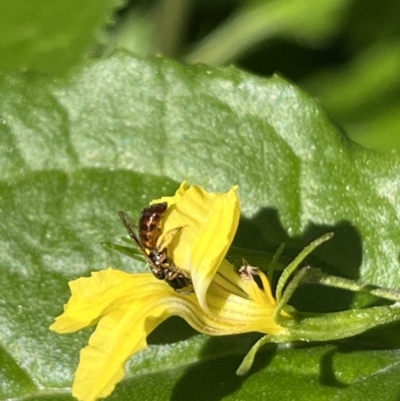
[{"x": 123, "y": 131}]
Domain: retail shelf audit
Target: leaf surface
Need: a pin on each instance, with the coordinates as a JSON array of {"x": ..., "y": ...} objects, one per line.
[{"x": 123, "y": 131}]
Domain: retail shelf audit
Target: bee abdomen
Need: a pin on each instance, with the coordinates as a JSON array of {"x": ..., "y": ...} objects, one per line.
[{"x": 149, "y": 224}]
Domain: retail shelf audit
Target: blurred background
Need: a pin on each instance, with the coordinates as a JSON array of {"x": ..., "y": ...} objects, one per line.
[{"x": 346, "y": 53}]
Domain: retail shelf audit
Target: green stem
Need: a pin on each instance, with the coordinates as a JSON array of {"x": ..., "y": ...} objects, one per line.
[
  {"x": 170, "y": 24},
  {"x": 239, "y": 33},
  {"x": 249, "y": 358},
  {"x": 283, "y": 279},
  {"x": 318, "y": 276},
  {"x": 263, "y": 20},
  {"x": 274, "y": 265},
  {"x": 301, "y": 277}
]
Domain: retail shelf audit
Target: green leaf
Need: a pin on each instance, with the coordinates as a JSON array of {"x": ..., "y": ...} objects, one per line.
[
  {"x": 123, "y": 131},
  {"x": 48, "y": 36}
]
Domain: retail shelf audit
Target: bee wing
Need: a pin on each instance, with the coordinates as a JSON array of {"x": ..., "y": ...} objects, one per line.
[{"x": 127, "y": 222}]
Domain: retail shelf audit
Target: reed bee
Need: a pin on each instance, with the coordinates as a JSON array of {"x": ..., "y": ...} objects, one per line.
[{"x": 157, "y": 258}]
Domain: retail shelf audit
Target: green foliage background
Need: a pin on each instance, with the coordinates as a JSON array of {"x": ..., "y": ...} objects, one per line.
[{"x": 89, "y": 126}]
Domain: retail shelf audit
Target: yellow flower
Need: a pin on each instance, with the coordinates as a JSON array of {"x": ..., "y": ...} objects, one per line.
[{"x": 128, "y": 307}]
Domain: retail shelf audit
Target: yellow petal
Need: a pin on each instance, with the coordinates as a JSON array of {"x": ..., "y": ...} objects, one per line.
[
  {"x": 239, "y": 315},
  {"x": 92, "y": 297},
  {"x": 118, "y": 336},
  {"x": 127, "y": 308},
  {"x": 209, "y": 222},
  {"x": 241, "y": 303}
]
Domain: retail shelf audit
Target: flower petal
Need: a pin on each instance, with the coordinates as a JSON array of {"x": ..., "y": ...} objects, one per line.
[
  {"x": 118, "y": 336},
  {"x": 242, "y": 304},
  {"x": 92, "y": 297},
  {"x": 209, "y": 222},
  {"x": 126, "y": 308}
]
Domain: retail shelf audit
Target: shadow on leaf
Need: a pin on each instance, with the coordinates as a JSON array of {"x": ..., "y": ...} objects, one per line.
[
  {"x": 342, "y": 255},
  {"x": 217, "y": 375}
]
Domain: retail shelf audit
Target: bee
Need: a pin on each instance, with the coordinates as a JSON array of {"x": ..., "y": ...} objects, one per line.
[{"x": 157, "y": 258}]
